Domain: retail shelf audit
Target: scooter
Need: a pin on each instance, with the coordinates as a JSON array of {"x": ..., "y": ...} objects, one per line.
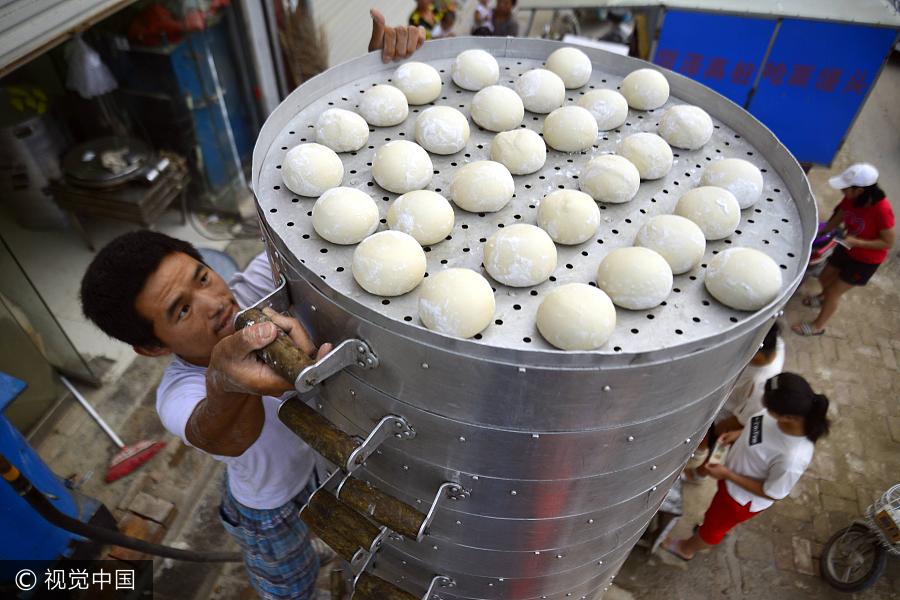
[{"x": 855, "y": 557}]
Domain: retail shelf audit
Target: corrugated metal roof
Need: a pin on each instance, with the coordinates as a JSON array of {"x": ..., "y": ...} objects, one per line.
[{"x": 31, "y": 27}]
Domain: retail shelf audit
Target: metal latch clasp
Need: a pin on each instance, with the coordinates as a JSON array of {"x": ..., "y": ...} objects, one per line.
[
  {"x": 348, "y": 353},
  {"x": 450, "y": 490},
  {"x": 389, "y": 425},
  {"x": 351, "y": 352},
  {"x": 438, "y": 581}
]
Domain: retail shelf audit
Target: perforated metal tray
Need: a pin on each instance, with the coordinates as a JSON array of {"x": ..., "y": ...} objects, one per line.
[{"x": 780, "y": 224}]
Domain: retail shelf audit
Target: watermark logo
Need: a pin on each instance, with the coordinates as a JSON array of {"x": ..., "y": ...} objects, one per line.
[
  {"x": 26, "y": 580},
  {"x": 60, "y": 578}
]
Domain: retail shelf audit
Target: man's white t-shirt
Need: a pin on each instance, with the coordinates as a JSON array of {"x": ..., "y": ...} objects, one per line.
[
  {"x": 766, "y": 453},
  {"x": 277, "y": 466},
  {"x": 746, "y": 397}
]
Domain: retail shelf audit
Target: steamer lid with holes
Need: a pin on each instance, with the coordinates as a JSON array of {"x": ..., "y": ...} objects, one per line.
[{"x": 562, "y": 456}]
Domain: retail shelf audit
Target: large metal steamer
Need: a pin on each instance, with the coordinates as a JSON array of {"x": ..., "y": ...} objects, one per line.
[{"x": 538, "y": 469}]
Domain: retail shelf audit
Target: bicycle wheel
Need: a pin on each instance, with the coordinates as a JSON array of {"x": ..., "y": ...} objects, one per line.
[{"x": 852, "y": 559}]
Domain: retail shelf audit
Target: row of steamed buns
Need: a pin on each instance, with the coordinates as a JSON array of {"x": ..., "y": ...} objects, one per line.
[{"x": 459, "y": 301}]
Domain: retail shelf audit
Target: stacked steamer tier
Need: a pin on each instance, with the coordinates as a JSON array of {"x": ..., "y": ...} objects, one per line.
[{"x": 563, "y": 456}]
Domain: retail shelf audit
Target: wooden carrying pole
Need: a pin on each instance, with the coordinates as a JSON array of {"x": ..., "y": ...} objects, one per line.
[{"x": 382, "y": 508}]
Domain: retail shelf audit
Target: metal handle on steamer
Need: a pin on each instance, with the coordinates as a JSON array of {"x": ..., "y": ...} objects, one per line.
[
  {"x": 338, "y": 520},
  {"x": 355, "y": 539},
  {"x": 330, "y": 441},
  {"x": 390, "y": 512},
  {"x": 343, "y": 450},
  {"x": 384, "y": 509},
  {"x": 294, "y": 365}
]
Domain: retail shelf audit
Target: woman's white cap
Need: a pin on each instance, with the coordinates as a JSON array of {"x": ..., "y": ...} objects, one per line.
[{"x": 858, "y": 175}]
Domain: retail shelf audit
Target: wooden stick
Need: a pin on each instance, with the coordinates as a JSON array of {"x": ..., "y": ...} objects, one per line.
[
  {"x": 384, "y": 509},
  {"x": 327, "y": 512},
  {"x": 317, "y": 431},
  {"x": 318, "y": 524},
  {"x": 314, "y": 429},
  {"x": 282, "y": 355},
  {"x": 338, "y": 586},
  {"x": 369, "y": 587}
]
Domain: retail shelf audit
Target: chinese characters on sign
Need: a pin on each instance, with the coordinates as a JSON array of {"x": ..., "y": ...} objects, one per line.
[
  {"x": 804, "y": 79},
  {"x": 822, "y": 78}
]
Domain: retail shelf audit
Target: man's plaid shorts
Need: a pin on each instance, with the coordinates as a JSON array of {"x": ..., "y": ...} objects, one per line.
[{"x": 278, "y": 554}]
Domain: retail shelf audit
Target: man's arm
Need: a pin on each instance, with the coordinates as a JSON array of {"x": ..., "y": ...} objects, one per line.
[
  {"x": 226, "y": 425},
  {"x": 231, "y": 417}
]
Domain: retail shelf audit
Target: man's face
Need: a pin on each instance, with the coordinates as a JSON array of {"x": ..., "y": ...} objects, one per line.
[{"x": 190, "y": 306}]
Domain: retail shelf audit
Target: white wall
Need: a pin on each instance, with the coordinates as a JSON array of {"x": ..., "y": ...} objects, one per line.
[{"x": 348, "y": 26}]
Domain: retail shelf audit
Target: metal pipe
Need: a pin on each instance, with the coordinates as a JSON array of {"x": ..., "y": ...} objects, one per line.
[
  {"x": 94, "y": 414},
  {"x": 223, "y": 111}
]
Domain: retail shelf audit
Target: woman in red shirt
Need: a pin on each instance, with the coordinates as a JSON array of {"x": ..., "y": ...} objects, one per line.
[{"x": 868, "y": 223}]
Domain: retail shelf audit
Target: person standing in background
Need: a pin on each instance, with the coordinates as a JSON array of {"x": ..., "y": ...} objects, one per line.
[
  {"x": 444, "y": 29},
  {"x": 483, "y": 18},
  {"x": 868, "y": 221},
  {"x": 429, "y": 15},
  {"x": 746, "y": 398},
  {"x": 504, "y": 19}
]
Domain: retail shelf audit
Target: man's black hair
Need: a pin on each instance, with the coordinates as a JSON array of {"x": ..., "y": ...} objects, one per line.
[{"x": 117, "y": 275}]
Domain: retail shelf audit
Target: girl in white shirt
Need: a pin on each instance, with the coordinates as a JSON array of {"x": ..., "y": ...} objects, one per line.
[{"x": 768, "y": 457}]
